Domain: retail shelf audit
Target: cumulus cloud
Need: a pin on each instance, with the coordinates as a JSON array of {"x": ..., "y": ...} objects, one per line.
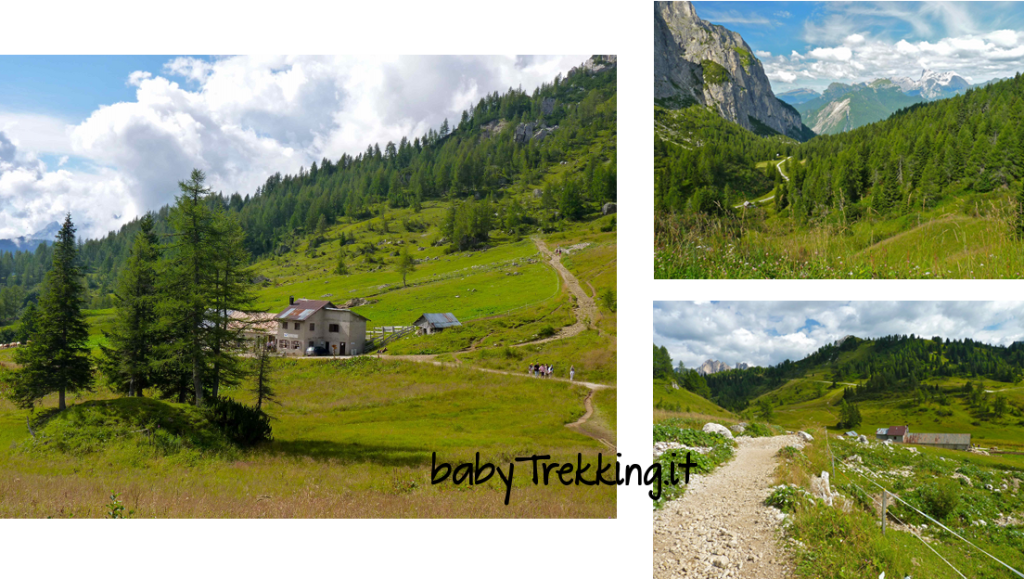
[
  {"x": 840, "y": 53},
  {"x": 767, "y": 333},
  {"x": 31, "y": 196},
  {"x": 860, "y": 58},
  {"x": 240, "y": 119}
]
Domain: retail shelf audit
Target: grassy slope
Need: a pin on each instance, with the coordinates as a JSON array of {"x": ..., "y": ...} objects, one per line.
[
  {"x": 672, "y": 401},
  {"x": 800, "y": 406},
  {"x": 351, "y": 439}
]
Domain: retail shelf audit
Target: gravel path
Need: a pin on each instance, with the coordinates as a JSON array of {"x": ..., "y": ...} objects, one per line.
[{"x": 721, "y": 527}]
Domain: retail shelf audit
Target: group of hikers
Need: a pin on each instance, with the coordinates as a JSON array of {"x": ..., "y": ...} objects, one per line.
[{"x": 547, "y": 371}]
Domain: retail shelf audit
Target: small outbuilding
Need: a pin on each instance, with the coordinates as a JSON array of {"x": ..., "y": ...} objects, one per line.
[
  {"x": 893, "y": 433},
  {"x": 431, "y": 323}
]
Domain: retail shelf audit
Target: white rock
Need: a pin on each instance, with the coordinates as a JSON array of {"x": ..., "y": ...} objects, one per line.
[
  {"x": 805, "y": 436},
  {"x": 717, "y": 429}
]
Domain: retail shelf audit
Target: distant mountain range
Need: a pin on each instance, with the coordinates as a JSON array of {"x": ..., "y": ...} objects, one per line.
[
  {"x": 798, "y": 96},
  {"x": 30, "y": 242},
  {"x": 844, "y": 107},
  {"x": 714, "y": 366}
]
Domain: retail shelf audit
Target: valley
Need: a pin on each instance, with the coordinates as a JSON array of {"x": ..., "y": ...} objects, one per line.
[
  {"x": 789, "y": 494},
  {"x": 504, "y": 222}
]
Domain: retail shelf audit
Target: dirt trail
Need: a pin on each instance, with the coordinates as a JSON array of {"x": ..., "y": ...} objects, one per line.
[
  {"x": 586, "y": 309},
  {"x": 721, "y": 527}
]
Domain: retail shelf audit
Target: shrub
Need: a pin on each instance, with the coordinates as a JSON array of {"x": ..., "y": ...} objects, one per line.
[
  {"x": 244, "y": 425},
  {"x": 941, "y": 498},
  {"x": 785, "y": 498},
  {"x": 546, "y": 332}
]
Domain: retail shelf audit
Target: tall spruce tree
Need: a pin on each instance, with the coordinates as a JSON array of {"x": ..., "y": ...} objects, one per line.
[
  {"x": 56, "y": 359},
  {"x": 186, "y": 287},
  {"x": 127, "y": 362}
]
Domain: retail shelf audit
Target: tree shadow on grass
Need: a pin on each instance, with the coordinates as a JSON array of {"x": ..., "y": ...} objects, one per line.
[{"x": 348, "y": 453}]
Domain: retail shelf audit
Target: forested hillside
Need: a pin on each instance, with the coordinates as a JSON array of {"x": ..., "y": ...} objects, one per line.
[
  {"x": 704, "y": 163},
  {"x": 503, "y": 147},
  {"x": 879, "y": 368}
]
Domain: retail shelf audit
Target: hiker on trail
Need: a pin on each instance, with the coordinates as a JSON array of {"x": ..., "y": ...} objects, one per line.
[
  {"x": 551, "y": 371},
  {"x": 572, "y": 372}
]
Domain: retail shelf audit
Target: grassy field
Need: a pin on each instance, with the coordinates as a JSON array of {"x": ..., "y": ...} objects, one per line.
[
  {"x": 848, "y": 542},
  {"x": 961, "y": 237},
  {"x": 812, "y": 402},
  {"x": 351, "y": 439},
  {"x": 593, "y": 356}
]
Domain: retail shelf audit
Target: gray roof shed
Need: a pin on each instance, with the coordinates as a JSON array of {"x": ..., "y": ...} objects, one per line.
[{"x": 438, "y": 320}]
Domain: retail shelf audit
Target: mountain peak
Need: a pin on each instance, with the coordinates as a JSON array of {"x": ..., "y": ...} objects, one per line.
[{"x": 48, "y": 232}]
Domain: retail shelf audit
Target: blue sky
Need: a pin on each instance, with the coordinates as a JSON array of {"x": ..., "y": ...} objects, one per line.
[
  {"x": 811, "y": 44},
  {"x": 107, "y": 138},
  {"x": 767, "y": 333}
]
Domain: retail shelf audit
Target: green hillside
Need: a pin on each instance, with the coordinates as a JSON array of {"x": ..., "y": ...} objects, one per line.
[
  {"x": 895, "y": 380},
  {"x": 930, "y": 192},
  {"x": 671, "y": 398}
]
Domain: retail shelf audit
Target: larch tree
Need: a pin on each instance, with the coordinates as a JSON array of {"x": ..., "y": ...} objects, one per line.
[
  {"x": 128, "y": 362},
  {"x": 405, "y": 265},
  {"x": 262, "y": 370},
  {"x": 231, "y": 291},
  {"x": 56, "y": 358}
]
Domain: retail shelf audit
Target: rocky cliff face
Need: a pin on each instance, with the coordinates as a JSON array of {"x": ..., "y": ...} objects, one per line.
[
  {"x": 712, "y": 366},
  {"x": 702, "y": 63}
]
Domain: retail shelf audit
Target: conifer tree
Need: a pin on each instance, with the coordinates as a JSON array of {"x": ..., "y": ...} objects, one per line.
[
  {"x": 56, "y": 359},
  {"x": 232, "y": 294},
  {"x": 128, "y": 361},
  {"x": 187, "y": 281},
  {"x": 262, "y": 370},
  {"x": 405, "y": 265}
]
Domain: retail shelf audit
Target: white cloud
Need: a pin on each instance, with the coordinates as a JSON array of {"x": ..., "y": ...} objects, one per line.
[
  {"x": 767, "y": 333},
  {"x": 240, "y": 119},
  {"x": 1003, "y": 38},
  {"x": 841, "y": 53},
  {"x": 136, "y": 78},
  {"x": 781, "y": 75},
  {"x": 858, "y": 58}
]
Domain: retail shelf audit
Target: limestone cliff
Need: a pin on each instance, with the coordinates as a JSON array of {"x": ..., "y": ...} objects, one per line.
[{"x": 703, "y": 63}]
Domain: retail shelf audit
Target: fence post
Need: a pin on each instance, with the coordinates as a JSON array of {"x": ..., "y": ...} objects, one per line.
[{"x": 884, "y": 506}]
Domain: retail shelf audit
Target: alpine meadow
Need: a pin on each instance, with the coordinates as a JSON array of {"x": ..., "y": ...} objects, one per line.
[
  {"x": 890, "y": 177},
  {"x": 311, "y": 347}
]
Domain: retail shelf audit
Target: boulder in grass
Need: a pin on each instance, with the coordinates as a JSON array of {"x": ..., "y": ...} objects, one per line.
[
  {"x": 805, "y": 436},
  {"x": 717, "y": 429}
]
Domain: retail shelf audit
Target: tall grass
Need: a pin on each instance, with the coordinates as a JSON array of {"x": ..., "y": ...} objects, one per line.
[{"x": 955, "y": 240}]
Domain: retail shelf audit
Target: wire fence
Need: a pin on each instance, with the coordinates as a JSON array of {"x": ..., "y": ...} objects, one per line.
[{"x": 887, "y": 493}]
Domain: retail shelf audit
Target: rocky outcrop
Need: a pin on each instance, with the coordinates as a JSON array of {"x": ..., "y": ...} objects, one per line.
[
  {"x": 608, "y": 209},
  {"x": 543, "y": 133},
  {"x": 533, "y": 131},
  {"x": 712, "y": 366},
  {"x": 547, "y": 106},
  {"x": 594, "y": 65},
  {"x": 696, "y": 62}
]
